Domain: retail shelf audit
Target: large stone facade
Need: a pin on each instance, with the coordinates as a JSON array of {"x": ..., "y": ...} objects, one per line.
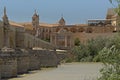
[
  {"x": 60, "y": 35},
  {"x": 63, "y": 36}
]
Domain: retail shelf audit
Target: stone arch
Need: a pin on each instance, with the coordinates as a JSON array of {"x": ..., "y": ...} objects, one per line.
[
  {"x": 89, "y": 30},
  {"x": 66, "y": 29},
  {"x": 81, "y": 29},
  {"x": 73, "y": 30}
]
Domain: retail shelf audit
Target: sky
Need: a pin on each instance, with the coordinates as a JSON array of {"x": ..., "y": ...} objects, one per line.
[{"x": 50, "y": 11}]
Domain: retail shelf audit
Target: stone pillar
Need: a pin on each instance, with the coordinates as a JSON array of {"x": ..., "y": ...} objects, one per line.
[
  {"x": 65, "y": 40},
  {"x": 51, "y": 38},
  {"x": 55, "y": 40}
]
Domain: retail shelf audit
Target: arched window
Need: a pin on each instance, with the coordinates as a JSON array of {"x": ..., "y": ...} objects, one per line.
[
  {"x": 81, "y": 30},
  {"x": 73, "y": 30}
]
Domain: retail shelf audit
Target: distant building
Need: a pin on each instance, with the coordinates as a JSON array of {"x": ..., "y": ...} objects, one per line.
[{"x": 59, "y": 35}]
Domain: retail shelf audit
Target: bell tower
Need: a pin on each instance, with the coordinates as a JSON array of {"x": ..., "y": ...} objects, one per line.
[
  {"x": 62, "y": 21},
  {"x": 35, "y": 20}
]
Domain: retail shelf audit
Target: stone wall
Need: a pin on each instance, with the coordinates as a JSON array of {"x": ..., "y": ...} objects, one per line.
[
  {"x": 48, "y": 58},
  {"x": 22, "y": 61},
  {"x": 0, "y": 67},
  {"x": 9, "y": 66},
  {"x": 34, "y": 60},
  {"x": 17, "y": 61},
  {"x": 31, "y": 41}
]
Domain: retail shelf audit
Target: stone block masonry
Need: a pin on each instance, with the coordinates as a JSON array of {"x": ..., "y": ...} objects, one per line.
[
  {"x": 48, "y": 58},
  {"x": 20, "y": 61},
  {"x": 0, "y": 67},
  {"x": 34, "y": 63},
  {"x": 9, "y": 63}
]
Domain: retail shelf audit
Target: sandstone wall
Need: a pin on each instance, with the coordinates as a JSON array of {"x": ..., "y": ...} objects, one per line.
[
  {"x": 34, "y": 60},
  {"x": 48, "y": 58},
  {"x": 1, "y": 37},
  {"x": 22, "y": 61},
  {"x": 9, "y": 67},
  {"x": 31, "y": 41},
  {"x": 0, "y": 67},
  {"x": 8, "y": 63}
]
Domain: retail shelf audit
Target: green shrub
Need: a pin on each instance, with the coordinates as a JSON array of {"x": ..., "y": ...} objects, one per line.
[{"x": 111, "y": 60}]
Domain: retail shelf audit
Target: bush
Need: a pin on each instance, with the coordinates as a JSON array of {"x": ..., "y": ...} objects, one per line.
[
  {"x": 77, "y": 42},
  {"x": 111, "y": 60},
  {"x": 87, "y": 52}
]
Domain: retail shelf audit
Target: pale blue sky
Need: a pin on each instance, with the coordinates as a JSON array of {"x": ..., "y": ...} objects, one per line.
[{"x": 50, "y": 11}]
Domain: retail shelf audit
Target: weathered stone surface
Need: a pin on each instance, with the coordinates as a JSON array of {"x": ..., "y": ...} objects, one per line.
[
  {"x": 0, "y": 67},
  {"x": 22, "y": 61},
  {"x": 34, "y": 60},
  {"x": 48, "y": 58},
  {"x": 9, "y": 63}
]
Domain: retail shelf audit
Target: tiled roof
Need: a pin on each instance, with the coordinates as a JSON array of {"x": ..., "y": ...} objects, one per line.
[{"x": 15, "y": 24}]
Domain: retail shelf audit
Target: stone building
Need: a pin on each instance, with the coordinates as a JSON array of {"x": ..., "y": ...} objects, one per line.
[
  {"x": 62, "y": 39},
  {"x": 62, "y": 35},
  {"x": 59, "y": 35}
]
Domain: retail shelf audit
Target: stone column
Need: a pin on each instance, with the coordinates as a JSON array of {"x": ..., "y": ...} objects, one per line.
[
  {"x": 55, "y": 40},
  {"x": 6, "y": 37},
  {"x": 65, "y": 40},
  {"x": 51, "y": 38}
]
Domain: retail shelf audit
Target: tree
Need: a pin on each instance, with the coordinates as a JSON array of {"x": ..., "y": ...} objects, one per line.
[
  {"x": 77, "y": 42},
  {"x": 116, "y": 4},
  {"x": 111, "y": 60}
]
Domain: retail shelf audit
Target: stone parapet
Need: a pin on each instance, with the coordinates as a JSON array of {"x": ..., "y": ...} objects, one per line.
[
  {"x": 34, "y": 63},
  {"x": 8, "y": 63},
  {"x": 22, "y": 61},
  {"x": 1, "y": 62},
  {"x": 19, "y": 61},
  {"x": 48, "y": 58}
]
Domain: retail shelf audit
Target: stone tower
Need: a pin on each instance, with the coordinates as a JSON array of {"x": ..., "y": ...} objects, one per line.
[
  {"x": 6, "y": 28},
  {"x": 62, "y": 21},
  {"x": 35, "y": 21}
]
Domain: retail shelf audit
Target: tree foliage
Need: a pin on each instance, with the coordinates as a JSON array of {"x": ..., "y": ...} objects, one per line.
[
  {"x": 87, "y": 52},
  {"x": 116, "y": 5},
  {"x": 111, "y": 59},
  {"x": 77, "y": 42}
]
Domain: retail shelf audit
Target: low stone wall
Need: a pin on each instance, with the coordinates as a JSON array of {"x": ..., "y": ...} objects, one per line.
[
  {"x": 34, "y": 63},
  {"x": 0, "y": 67},
  {"x": 8, "y": 66},
  {"x": 22, "y": 61},
  {"x": 48, "y": 58},
  {"x": 61, "y": 57},
  {"x": 8, "y": 63}
]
